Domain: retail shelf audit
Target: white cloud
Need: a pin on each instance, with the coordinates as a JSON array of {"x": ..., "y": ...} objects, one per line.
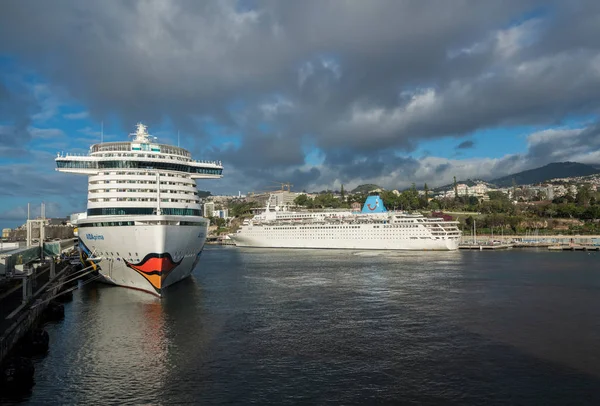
[
  {"x": 76, "y": 116},
  {"x": 278, "y": 105},
  {"x": 46, "y": 133},
  {"x": 373, "y": 121},
  {"x": 514, "y": 39}
]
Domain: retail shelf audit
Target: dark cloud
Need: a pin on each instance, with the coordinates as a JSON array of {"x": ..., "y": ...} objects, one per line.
[
  {"x": 441, "y": 168},
  {"x": 557, "y": 145},
  {"x": 466, "y": 145},
  {"x": 39, "y": 180},
  {"x": 16, "y": 107},
  {"x": 363, "y": 82}
]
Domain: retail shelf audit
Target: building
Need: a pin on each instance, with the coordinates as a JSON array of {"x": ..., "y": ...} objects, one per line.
[
  {"x": 479, "y": 190},
  {"x": 53, "y": 228},
  {"x": 223, "y": 213},
  {"x": 283, "y": 198},
  {"x": 208, "y": 209},
  {"x": 6, "y": 233}
]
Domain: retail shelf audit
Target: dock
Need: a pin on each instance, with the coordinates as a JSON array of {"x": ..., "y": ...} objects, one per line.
[
  {"x": 33, "y": 281},
  {"x": 555, "y": 242},
  {"x": 566, "y": 247},
  {"x": 487, "y": 247}
]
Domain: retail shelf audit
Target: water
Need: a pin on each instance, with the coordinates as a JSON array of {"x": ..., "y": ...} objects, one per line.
[{"x": 338, "y": 327}]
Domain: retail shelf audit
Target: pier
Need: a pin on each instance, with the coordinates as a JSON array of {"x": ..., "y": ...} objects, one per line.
[
  {"x": 481, "y": 247},
  {"x": 550, "y": 242},
  {"x": 568, "y": 247},
  {"x": 33, "y": 280}
]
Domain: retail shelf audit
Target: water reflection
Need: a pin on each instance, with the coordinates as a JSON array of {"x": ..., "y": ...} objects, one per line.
[{"x": 315, "y": 327}]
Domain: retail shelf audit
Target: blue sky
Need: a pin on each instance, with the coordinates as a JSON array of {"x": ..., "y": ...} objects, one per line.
[{"x": 316, "y": 93}]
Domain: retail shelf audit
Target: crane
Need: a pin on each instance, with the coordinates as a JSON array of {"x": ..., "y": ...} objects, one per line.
[{"x": 283, "y": 185}]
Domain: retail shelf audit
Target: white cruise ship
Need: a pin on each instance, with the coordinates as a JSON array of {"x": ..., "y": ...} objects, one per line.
[
  {"x": 143, "y": 227},
  {"x": 372, "y": 228}
]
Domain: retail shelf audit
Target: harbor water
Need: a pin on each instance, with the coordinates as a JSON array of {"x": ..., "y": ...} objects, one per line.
[{"x": 262, "y": 326}]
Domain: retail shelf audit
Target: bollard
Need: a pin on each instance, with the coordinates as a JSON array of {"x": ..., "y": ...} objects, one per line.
[{"x": 27, "y": 288}]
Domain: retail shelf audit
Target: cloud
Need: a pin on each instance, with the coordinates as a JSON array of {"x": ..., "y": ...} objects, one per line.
[
  {"x": 19, "y": 213},
  {"x": 466, "y": 145},
  {"x": 77, "y": 116},
  {"x": 565, "y": 144},
  {"x": 47, "y": 133},
  {"x": 363, "y": 83}
]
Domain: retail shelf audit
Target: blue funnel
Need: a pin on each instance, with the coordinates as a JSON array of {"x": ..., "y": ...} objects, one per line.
[{"x": 374, "y": 204}]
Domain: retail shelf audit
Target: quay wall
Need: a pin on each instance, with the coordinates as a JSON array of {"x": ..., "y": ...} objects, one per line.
[
  {"x": 542, "y": 239},
  {"x": 30, "y": 316}
]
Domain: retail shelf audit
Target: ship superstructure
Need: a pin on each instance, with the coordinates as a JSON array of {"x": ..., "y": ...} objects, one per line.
[
  {"x": 372, "y": 228},
  {"x": 143, "y": 227}
]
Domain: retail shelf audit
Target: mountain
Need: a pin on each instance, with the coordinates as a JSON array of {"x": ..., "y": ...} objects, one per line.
[
  {"x": 366, "y": 188},
  {"x": 545, "y": 173}
]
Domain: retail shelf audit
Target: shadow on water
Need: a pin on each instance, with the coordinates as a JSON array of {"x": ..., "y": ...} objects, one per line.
[{"x": 289, "y": 327}]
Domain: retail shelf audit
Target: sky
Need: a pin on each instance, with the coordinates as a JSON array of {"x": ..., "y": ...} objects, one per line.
[{"x": 316, "y": 93}]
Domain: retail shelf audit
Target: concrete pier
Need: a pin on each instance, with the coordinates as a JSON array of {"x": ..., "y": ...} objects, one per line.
[
  {"x": 568, "y": 247},
  {"x": 482, "y": 247},
  {"x": 22, "y": 304}
]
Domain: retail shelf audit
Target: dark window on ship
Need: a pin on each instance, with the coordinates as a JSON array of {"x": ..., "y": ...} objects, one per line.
[{"x": 114, "y": 211}]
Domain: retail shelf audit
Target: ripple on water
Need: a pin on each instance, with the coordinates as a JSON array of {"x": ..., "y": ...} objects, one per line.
[{"x": 350, "y": 327}]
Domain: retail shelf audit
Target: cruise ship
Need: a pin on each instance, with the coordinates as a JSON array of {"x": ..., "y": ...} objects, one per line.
[
  {"x": 143, "y": 228},
  {"x": 373, "y": 228}
]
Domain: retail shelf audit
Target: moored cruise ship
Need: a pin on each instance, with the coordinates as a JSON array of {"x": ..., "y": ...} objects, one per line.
[
  {"x": 372, "y": 228},
  {"x": 143, "y": 227}
]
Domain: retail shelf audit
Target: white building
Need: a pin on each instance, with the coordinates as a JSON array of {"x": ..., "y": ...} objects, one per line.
[
  {"x": 223, "y": 213},
  {"x": 283, "y": 198},
  {"x": 478, "y": 190},
  {"x": 208, "y": 209}
]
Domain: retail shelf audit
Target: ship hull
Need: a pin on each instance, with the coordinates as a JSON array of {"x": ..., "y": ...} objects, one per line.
[
  {"x": 345, "y": 242},
  {"x": 147, "y": 257}
]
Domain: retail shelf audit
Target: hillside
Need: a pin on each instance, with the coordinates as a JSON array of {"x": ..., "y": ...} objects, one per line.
[
  {"x": 468, "y": 182},
  {"x": 366, "y": 188},
  {"x": 545, "y": 173}
]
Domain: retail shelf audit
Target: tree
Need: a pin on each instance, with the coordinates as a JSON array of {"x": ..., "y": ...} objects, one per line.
[
  {"x": 455, "y": 189},
  {"x": 238, "y": 209},
  {"x": 342, "y": 192},
  {"x": 426, "y": 190},
  {"x": 584, "y": 195},
  {"x": 301, "y": 200},
  {"x": 218, "y": 221},
  {"x": 541, "y": 195}
]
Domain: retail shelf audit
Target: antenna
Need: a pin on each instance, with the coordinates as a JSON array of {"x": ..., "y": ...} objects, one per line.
[
  {"x": 177, "y": 138},
  {"x": 101, "y": 132}
]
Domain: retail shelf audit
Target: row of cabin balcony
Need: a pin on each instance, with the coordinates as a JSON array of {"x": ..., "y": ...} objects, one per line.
[
  {"x": 127, "y": 146},
  {"x": 139, "y": 155},
  {"x": 98, "y": 188},
  {"x": 153, "y": 174},
  {"x": 160, "y": 155},
  {"x": 139, "y": 182},
  {"x": 160, "y": 164},
  {"x": 141, "y": 199},
  {"x": 169, "y": 191}
]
